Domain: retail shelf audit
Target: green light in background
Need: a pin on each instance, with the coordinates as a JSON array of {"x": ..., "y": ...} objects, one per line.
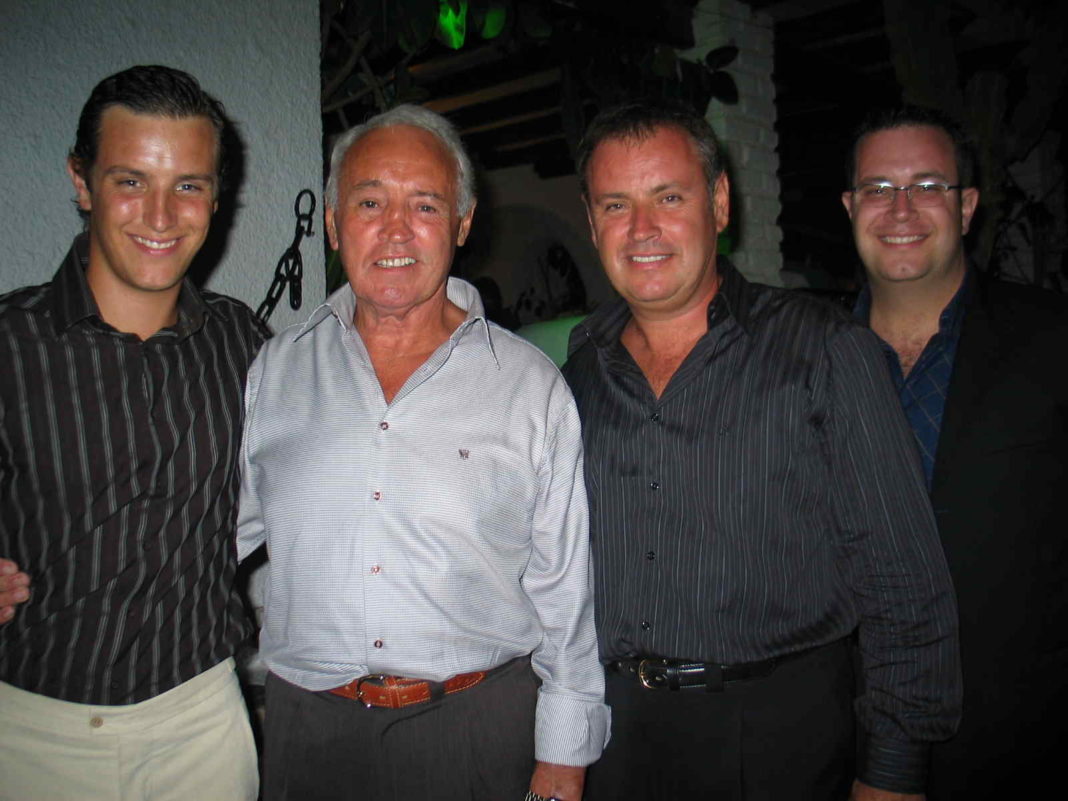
[
  {"x": 452, "y": 24},
  {"x": 496, "y": 16}
]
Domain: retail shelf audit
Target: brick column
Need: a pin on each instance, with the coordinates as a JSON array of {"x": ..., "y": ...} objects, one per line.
[{"x": 747, "y": 132}]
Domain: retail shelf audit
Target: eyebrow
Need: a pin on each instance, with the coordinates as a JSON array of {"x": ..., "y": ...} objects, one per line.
[
  {"x": 656, "y": 190},
  {"x": 374, "y": 183},
  {"x": 916, "y": 177},
  {"x": 192, "y": 176}
]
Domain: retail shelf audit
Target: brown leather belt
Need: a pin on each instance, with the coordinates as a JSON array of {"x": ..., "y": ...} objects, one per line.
[{"x": 394, "y": 692}]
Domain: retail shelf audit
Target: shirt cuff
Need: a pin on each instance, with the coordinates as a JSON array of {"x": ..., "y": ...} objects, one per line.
[
  {"x": 569, "y": 730},
  {"x": 894, "y": 765}
]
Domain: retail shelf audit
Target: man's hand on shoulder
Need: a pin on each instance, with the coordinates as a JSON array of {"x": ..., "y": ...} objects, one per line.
[
  {"x": 558, "y": 781},
  {"x": 14, "y": 589},
  {"x": 865, "y": 792}
]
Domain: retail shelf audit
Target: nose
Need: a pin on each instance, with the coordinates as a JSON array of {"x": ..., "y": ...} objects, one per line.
[
  {"x": 643, "y": 224},
  {"x": 160, "y": 210},
  {"x": 901, "y": 206},
  {"x": 396, "y": 226}
]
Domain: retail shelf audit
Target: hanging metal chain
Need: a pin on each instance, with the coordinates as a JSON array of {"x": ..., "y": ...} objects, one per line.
[{"x": 290, "y": 269}]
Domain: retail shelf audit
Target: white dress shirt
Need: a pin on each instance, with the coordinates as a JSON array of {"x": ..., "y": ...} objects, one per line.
[{"x": 441, "y": 533}]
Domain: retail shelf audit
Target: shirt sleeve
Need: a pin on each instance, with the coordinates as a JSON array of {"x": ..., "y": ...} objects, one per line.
[
  {"x": 572, "y": 722},
  {"x": 251, "y": 531},
  {"x": 893, "y": 560}
]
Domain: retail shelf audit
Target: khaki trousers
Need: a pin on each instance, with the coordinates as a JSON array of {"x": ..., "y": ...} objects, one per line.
[{"x": 192, "y": 743}]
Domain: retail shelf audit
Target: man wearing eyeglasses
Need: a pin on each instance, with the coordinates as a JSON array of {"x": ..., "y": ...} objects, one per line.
[{"x": 979, "y": 369}]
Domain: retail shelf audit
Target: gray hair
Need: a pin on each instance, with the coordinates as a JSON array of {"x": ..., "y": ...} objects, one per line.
[{"x": 417, "y": 117}]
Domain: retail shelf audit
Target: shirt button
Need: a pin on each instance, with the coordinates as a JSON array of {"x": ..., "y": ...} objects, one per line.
[
  {"x": 377, "y": 496},
  {"x": 375, "y": 570},
  {"x": 650, "y": 555},
  {"x": 378, "y": 643},
  {"x": 646, "y": 625},
  {"x": 96, "y": 721},
  {"x": 654, "y": 485},
  {"x": 383, "y": 425},
  {"x": 655, "y": 417}
]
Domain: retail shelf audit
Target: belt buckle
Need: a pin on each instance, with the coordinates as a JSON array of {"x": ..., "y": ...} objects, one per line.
[
  {"x": 647, "y": 683},
  {"x": 359, "y": 685}
]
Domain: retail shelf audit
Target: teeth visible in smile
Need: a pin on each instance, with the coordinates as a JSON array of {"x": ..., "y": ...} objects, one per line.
[
  {"x": 901, "y": 240},
  {"x": 401, "y": 262},
  {"x": 647, "y": 259},
  {"x": 152, "y": 244}
]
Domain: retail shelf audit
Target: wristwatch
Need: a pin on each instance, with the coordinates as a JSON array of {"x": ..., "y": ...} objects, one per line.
[{"x": 532, "y": 796}]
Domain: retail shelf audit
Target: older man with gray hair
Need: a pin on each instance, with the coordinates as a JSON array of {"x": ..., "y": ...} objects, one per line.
[{"x": 416, "y": 474}]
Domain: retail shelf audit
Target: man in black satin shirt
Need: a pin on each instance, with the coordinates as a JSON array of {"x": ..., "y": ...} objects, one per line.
[
  {"x": 756, "y": 500},
  {"x": 120, "y": 415}
]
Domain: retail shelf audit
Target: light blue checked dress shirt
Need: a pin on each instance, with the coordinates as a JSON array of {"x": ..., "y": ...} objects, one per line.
[{"x": 442, "y": 533}]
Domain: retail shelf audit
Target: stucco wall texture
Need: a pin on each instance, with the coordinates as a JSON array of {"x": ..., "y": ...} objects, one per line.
[{"x": 259, "y": 57}]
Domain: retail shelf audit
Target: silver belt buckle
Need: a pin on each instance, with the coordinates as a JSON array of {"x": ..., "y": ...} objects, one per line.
[{"x": 647, "y": 682}]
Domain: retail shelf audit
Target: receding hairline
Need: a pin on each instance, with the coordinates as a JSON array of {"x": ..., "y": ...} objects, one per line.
[
  {"x": 636, "y": 138},
  {"x": 443, "y": 153}
]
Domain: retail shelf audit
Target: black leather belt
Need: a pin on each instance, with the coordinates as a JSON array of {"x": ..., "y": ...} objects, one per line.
[{"x": 655, "y": 673}]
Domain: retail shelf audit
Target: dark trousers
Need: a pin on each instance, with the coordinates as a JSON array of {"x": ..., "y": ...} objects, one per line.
[
  {"x": 786, "y": 736},
  {"x": 472, "y": 745}
]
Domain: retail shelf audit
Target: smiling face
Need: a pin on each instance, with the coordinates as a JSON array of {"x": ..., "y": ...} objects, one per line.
[
  {"x": 653, "y": 222},
  {"x": 150, "y": 195},
  {"x": 902, "y": 243},
  {"x": 396, "y": 223}
]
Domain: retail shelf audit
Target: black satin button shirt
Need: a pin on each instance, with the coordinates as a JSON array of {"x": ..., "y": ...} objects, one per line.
[
  {"x": 118, "y": 490},
  {"x": 771, "y": 500}
]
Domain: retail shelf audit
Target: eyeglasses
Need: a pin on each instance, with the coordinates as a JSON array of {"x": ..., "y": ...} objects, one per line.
[{"x": 925, "y": 193}]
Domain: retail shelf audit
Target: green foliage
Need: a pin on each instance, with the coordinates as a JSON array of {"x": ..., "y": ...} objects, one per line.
[
  {"x": 452, "y": 23},
  {"x": 491, "y": 20}
]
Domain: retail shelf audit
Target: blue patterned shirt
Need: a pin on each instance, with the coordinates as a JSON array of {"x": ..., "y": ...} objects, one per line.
[{"x": 923, "y": 391}]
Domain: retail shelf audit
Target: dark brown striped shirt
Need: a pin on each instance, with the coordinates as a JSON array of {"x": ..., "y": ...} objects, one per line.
[
  {"x": 771, "y": 500},
  {"x": 118, "y": 488}
]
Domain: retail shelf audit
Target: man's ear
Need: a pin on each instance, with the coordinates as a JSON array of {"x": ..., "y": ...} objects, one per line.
[
  {"x": 82, "y": 195},
  {"x": 721, "y": 202},
  {"x": 847, "y": 201},
  {"x": 331, "y": 227},
  {"x": 465, "y": 225},
  {"x": 969, "y": 202},
  {"x": 589, "y": 219}
]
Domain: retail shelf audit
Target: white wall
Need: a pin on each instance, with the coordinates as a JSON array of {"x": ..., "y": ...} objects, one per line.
[
  {"x": 747, "y": 131},
  {"x": 259, "y": 57}
]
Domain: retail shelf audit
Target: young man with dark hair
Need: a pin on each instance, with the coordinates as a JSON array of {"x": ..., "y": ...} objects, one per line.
[
  {"x": 121, "y": 419},
  {"x": 978, "y": 365},
  {"x": 755, "y": 500}
]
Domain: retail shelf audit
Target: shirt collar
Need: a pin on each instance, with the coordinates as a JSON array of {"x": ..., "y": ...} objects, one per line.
[
  {"x": 341, "y": 306},
  {"x": 949, "y": 321},
  {"x": 733, "y": 299},
  {"x": 73, "y": 302}
]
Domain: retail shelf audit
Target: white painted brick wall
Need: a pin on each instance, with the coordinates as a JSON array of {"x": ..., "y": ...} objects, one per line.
[{"x": 747, "y": 131}]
